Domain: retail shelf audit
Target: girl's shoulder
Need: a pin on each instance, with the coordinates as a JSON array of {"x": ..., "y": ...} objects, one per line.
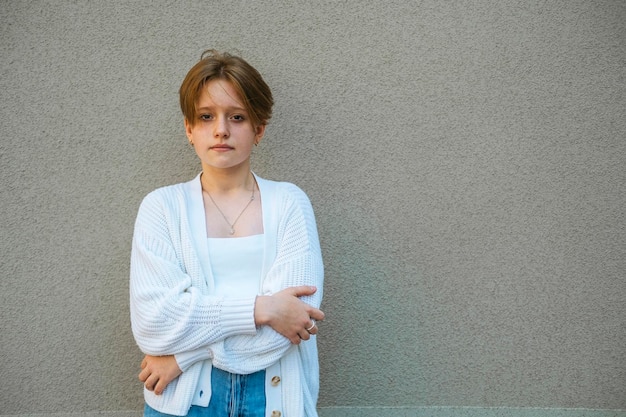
[
  {"x": 283, "y": 187},
  {"x": 288, "y": 199},
  {"x": 171, "y": 195}
]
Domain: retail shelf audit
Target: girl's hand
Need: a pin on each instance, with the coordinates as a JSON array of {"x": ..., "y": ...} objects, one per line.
[
  {"x": 158, "y": 371},
  {"x": 287, "y": 314}
]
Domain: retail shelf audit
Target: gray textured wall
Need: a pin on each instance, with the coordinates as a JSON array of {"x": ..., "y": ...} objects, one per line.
[{"x": 466, "y": 160}]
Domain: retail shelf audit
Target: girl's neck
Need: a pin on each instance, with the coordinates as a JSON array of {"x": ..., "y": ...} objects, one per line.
[{"x": 226, "y": 181}]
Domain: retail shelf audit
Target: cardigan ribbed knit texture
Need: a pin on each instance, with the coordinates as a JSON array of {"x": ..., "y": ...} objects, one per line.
[{"x": 174, "y": 310}]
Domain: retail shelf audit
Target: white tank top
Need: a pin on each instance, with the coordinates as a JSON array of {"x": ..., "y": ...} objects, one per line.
[{"x": 236, "y": 264}]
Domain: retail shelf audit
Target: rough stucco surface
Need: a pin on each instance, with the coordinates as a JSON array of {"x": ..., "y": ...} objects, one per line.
[{"x": 466, "y": 161}]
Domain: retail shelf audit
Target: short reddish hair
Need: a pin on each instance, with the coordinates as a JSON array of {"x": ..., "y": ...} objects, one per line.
[{"x": 213, "y": 65}]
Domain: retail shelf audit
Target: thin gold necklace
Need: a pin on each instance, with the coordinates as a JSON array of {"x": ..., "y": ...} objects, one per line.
[{"x": 232, "y": 225}]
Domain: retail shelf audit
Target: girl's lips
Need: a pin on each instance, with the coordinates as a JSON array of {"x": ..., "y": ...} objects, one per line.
[{"x": 221, "y": 148}]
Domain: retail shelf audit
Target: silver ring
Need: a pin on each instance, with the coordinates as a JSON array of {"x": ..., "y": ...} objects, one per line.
[{"x": 312, "y": 326}]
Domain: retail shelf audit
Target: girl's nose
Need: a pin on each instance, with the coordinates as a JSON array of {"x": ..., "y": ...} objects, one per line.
[{"x": 221, "y": 128}]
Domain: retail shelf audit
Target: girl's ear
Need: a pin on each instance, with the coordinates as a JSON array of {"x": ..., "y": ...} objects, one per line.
[
  {"x": 188, "y": 129},
  {"x": 259, "y": 132}
]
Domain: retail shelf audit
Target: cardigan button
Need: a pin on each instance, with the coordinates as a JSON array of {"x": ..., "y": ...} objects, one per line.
[
  {"x": 276, "y": 413},
  {"x": 275, "y": 381}
]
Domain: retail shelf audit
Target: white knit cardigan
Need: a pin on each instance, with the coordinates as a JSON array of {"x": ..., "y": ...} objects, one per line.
[{"x": 173, "y": 309}]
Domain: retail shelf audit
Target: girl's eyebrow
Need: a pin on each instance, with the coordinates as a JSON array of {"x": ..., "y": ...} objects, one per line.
[{"x": 231, "y": 108}]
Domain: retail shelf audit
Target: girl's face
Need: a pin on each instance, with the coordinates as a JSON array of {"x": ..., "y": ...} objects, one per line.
[{"x": 222, "y": 133}]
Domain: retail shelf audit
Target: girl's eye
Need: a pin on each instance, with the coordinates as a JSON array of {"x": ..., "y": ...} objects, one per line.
[
  {"x": 205, "y": 117},
  {"x": 238, "y": 117}
]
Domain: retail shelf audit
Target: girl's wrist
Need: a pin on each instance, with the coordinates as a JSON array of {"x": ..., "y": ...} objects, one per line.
[{"x": 261, "y": 317}]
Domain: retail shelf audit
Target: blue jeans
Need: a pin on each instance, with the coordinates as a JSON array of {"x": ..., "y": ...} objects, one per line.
[{"x": 232, "y": 395}]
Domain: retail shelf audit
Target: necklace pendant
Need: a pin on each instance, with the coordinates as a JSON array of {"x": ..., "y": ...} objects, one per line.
[{"x": 232, "y": 231}]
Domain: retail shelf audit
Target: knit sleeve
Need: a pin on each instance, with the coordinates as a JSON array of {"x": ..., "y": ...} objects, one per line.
[
  {"x": 298, "y": 262},
  {"x": 171, "y": 312}
]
